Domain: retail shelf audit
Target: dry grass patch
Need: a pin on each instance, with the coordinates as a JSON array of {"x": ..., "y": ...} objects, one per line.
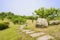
[{"x": 53, "y": 30}]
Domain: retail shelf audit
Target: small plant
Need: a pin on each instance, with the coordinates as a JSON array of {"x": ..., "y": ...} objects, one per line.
[
  {"x": 7, "y": 23},
  {"x": 3, "y": 26}
]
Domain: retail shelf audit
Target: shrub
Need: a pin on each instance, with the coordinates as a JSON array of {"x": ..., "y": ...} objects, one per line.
[
  {"x": 7, "y": 23},
  {"x": 3, "y": 26},
  {"x": 15, "y": 21}
]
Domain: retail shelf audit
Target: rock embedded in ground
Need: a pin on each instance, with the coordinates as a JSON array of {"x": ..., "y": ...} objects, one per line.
[
  {"x": 37, "y": 34},
  {"x": 41, "y": 22},
  {"x": 46, "y": 37},
  {"x": 21, "y": 27},
  {"x": 29, "y": 32},
  {"x": 26, "y": 30},
  {"x": 54, "y": 22}
]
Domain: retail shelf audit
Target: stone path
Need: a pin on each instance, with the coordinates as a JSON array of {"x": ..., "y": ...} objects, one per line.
[
  {"x": 30, "y": 32},
  {"x": 45, "y": 37},
  {"x": 38, "y": 35}
]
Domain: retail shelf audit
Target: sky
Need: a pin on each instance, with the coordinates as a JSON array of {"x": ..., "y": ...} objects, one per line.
[{"x": 26, "y": 7}]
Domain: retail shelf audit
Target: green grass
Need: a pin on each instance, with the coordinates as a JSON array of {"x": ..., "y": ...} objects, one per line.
[
  {"x": 57, "y": 18},
  {"x": 11, "y": 33}
]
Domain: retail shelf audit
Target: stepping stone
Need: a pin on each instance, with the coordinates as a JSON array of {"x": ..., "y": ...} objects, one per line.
[
  {"x": 46, "y": 37},
  {"x": 26, "y": 30},
  {"x": 37, "y": 34},
  {"x": 29, "y": 32},
  {"x": 21, "y": 27}
]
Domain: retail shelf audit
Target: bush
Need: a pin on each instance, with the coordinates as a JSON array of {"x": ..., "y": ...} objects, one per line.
[
  {"x": 3, "y": 26},
  {"x": 7, "y": 23},
  {"x": 15, "y": 21}
]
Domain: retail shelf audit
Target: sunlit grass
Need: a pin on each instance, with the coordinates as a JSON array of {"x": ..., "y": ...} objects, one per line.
[
  {"x": 11, "y": 33},
  {"x": 51, "y": 30}
]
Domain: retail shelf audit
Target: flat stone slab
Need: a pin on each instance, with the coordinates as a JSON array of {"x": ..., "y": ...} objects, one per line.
[
  {"x": 29, "y": 32},
  {"x": 37, "y": 34},
  {"x": 26, "y": 30},
  {"x": 21, "y": 27},
  {"x": 46, "y": 37}
]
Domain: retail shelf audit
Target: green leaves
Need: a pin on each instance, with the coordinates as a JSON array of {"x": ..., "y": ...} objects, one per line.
[
  {"x": 45, "y": 13},
  {"x": 14, "y": 18},
  {"x": 3, "y": 26}
]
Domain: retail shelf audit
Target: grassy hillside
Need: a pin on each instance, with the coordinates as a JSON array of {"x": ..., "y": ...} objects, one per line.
[{"x": 11, "y": 33}]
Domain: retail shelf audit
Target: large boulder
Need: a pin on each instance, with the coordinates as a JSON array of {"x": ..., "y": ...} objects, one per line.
[
  {"x": 54, "y": 22},
  {"x": 41, "y": 22}
]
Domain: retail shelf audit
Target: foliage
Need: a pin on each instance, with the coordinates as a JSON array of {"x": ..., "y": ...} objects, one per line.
[
  {"x": 50, "y": 13},
  {"x": 5, "y": 14},
  {"x": 7, "y": 23},
  {"x": 31, "y": 17},
  {"x": 14, "y": 18},
  {"x": 3, "y": 26},
  {"x": 18, "y": 19},
  {"x": 10, "y": 33}
]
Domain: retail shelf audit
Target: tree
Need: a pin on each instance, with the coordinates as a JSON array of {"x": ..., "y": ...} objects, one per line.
[
  {"x": 2, "y": 15},
  {"x": 40, "y": 12},
  {"x": 49, "y": 13}
]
